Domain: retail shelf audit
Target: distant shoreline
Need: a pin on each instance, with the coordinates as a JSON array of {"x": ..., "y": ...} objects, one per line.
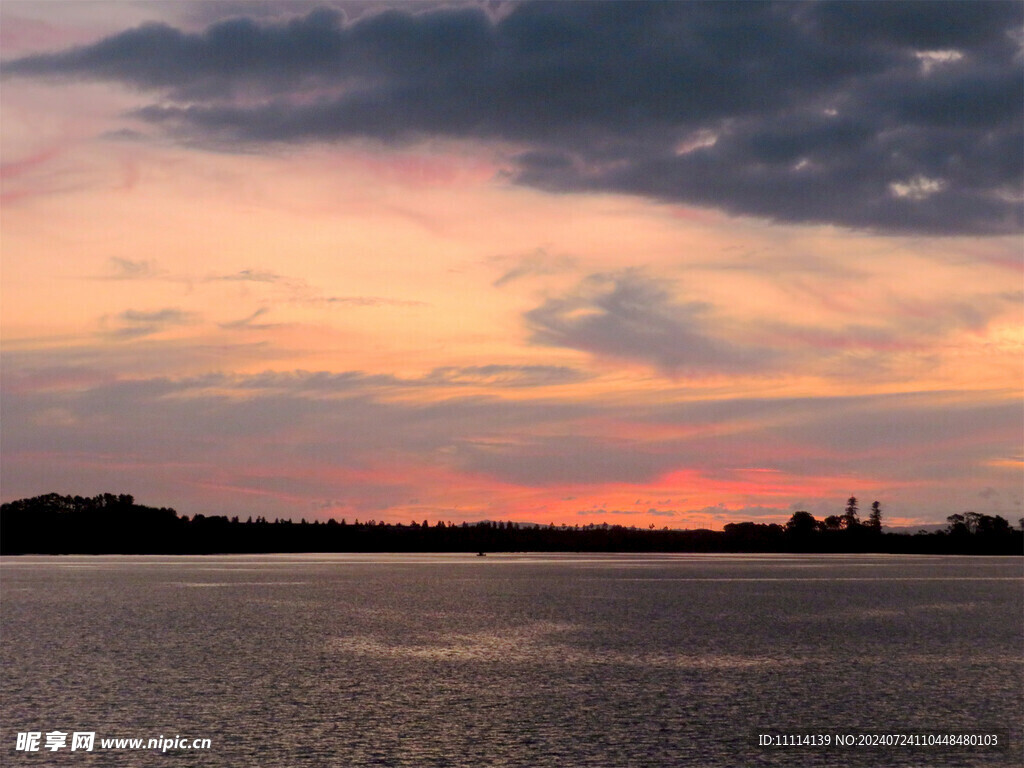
[
  {"x": 472, "y": 556},
  {"x": 116, "y": 525}
]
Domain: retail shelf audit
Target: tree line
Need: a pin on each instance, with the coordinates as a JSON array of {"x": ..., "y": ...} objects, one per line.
[
  {"x": 115, "y": 524},
  {"x": 969, "y": 532}
]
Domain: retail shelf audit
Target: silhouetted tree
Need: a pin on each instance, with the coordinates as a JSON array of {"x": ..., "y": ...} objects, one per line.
[
  {"x": 850, "y": 519},
  {"x": 875, "y": 518},
  {"x": 833, "y": 522},
  {"x": 801, "y": 524},
  {"x": 992, "y": 526},
  {"x": 972, "y": 520}
]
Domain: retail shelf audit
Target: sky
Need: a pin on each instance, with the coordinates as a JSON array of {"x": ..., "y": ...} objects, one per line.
[{"x": 670, "y": 264}]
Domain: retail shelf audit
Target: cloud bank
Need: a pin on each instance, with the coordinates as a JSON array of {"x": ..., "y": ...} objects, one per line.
[
  {"x": 899, "y": 116},
  {"x": 354, "y": 435}
]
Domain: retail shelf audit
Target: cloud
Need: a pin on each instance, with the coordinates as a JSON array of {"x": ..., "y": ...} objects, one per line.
[
  {"x": 757, "y": 514},
  {"x": 248, "y": 323},
  {"x": 133, "y": 324},
  {"x": 293, "y": 289},
  {"x": 506, "y": 375},
  {"x": 252, "y": 276},
  {"x": 368, "y": 301},
  {"x": 300, "y": 291},
  {"x": 324, "y": 383},
  {"x": 130, "y": 269},
  {"x": 599, "y": 513},
  {"x": 344, "y": 420},
  {"x": 540, "y": 262},
  {"x": 902, "y": 328},
  {"x": 899, "y": 116},
  {"x": 124, "y": 134},
  {"x": 633, "y": 316},
  {"x": 662, "y": 512},
  {"x": 629, "y": 316},
  {"x": 355, "y": 435}
]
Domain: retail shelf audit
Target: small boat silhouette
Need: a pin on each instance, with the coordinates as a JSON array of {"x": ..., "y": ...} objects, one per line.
[{"x": 480, "y": 554}]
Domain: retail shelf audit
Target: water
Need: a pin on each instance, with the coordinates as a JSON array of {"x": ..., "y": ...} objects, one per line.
[{"x": 512, "y": 660}]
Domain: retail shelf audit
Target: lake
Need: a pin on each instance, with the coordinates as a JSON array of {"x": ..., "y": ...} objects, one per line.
[{"x": 531, "y": 661}]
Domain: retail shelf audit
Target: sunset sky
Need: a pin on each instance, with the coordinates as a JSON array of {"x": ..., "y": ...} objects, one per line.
[{"x": 673, "y": 263}]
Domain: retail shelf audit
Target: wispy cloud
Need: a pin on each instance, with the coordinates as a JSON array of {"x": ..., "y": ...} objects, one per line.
[
  {"x": 289, "y": 289},
  {"x": 133, "y": 324},
  {"x": 252, "y": 276},
  {"x": 131, "y": 269},
  {"x": 505, "y": 375},
  {"x": 538, "y": 263},
  {"x": 630, "y": 316},
  {"x": 367, "y": 301},
  {"x": 634, "y": 316},
  {"x": 248, "y": 323}
]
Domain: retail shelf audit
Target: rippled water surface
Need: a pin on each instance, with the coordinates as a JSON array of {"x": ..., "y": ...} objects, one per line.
[{"x": 512, "y": 660}]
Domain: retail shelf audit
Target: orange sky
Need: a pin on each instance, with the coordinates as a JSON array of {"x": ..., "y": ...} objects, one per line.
[{"x": 404, "y": 330}]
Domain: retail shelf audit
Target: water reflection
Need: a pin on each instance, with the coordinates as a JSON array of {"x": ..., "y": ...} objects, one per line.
[{"x": 519, "y": 661}]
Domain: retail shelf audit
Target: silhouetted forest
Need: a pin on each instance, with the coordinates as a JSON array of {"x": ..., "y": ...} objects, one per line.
[{"x": 115, "y": 524}]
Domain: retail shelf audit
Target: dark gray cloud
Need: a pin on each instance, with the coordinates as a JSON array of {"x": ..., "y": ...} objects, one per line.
[
  {"x": 898, "y": 116},
  {"x": 630, "y": 316}
]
